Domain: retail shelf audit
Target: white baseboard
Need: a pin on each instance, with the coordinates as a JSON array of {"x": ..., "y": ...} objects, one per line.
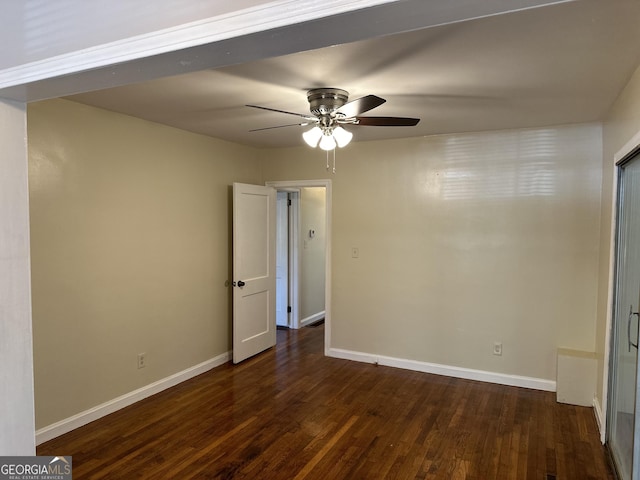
[
  {"x": 449, "y": 371},
  {"x": 82, "y": 418},
  {"x": 600, "y": 420},
  {"x": 311, "y": 319}
]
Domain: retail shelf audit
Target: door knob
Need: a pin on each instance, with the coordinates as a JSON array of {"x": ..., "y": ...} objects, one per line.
[{"x": 241, "y": 283}]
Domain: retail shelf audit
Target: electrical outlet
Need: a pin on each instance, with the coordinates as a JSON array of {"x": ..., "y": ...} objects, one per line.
[
  {"x": 497, "y": 348},
  {"x": 355, "y": 252},
  {"x": 142, "y": 360}
]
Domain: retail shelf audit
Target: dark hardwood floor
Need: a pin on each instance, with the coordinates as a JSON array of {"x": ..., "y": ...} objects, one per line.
[{"x": 291, "y": 413}]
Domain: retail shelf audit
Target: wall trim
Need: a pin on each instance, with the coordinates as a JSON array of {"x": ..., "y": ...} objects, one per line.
[
  {"x": 628, "y": 149},
  {"x": 602, "y": 419},
  {"x": 597, "y": 412},
  {"x": 68, "y": 424},
  {"x": 446, "y": 370},
  {"x": 311, "y": 319}
]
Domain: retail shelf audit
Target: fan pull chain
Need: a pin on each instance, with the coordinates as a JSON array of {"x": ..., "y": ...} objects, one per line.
[{"x": 334, "y": 160}]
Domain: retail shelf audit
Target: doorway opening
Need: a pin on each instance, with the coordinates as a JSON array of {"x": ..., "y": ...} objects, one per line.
[{"x": 303, "y": 254}]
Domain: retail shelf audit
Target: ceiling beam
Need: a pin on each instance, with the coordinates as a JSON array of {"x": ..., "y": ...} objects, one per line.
[{"x": 274, "y": 29}]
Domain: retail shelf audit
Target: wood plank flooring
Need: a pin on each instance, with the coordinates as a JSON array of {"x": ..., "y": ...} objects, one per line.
[{"x": 291, "y": 413}]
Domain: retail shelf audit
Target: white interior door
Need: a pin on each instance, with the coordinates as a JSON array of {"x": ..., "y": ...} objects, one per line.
[
  {"x": 282, "y": 260},
  {"x": 254, "y": 279}
]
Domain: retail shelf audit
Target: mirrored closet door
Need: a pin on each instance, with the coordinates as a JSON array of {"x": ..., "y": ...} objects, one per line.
[{"x": 623, "y": 437}]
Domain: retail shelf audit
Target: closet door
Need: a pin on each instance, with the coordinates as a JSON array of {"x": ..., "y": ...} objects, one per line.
[{"x": 624, "y": 432}]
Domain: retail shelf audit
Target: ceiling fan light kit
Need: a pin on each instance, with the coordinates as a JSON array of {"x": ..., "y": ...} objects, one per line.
[
  {"x": 312, "y": 137},
  {"x": 330, "y": 110},
  {"x": 328, "y": 138},
  {"x": 342, "y": 136},
  {"x": 327, "y": 142}
]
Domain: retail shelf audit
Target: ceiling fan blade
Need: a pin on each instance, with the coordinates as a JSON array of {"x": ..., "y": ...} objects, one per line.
[
  {"x": 304, "y": 124},
  {"x": 387, "y": 121},
  {"x": 360, "y": 105},
  {"x": 281, "y": 111}
]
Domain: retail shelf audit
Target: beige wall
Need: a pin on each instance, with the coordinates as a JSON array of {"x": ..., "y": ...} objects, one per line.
[
  {"x": 312, "y": 265},
  {"x": 130, "y": 251},
  {"x": 621, "y": 124},
  {"x": 464, "y": 240}
]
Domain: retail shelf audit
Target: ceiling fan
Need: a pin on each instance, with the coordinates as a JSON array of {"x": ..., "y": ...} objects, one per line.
[{"x": 330, "y": 110}]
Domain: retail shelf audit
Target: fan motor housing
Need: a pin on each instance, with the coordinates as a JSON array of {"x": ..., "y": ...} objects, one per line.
[{"x": 324, "y": 101}]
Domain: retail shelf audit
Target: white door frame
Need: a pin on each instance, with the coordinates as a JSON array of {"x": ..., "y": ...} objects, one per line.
[
  {"x": 294, "y": 257},
  {"x": 293, "y": 184},
  {"x": 283, "y": 280},
  {"x": 293, "y": 252}
]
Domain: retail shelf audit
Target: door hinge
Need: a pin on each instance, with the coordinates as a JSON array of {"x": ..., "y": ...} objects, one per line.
[
  {"x": 289, "y": 202},
  {"x": 288, "y": 309}
]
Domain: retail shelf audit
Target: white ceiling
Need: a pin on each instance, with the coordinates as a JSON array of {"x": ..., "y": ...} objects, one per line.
[{"x": 564, "y": 63}]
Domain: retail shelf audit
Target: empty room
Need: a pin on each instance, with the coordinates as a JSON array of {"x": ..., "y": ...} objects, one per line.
[{"x": 462, "y": 281}]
